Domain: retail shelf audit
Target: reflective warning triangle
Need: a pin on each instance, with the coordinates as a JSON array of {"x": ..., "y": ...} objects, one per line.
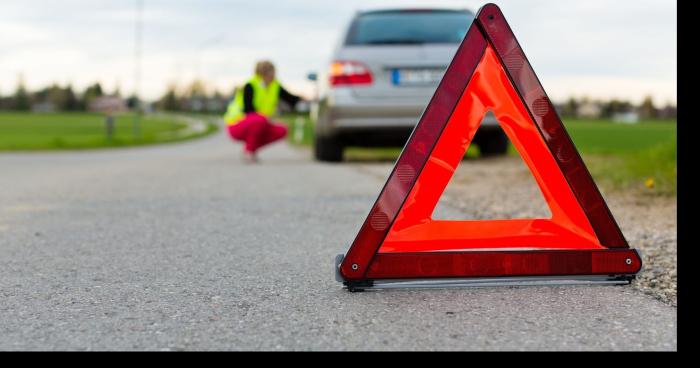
[{"x": 400, "y": 240}]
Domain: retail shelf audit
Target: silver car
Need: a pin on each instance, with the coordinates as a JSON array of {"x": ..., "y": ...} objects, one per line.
[{"x": 382, "y": 77}]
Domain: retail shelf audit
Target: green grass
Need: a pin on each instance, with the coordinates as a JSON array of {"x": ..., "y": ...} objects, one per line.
[
  {"x": 55, "y": 131},
  {"x": 606, "y": 137},
  {"x": 619, "y": 156},
  {"x": 651, "y": 170},
  {"x": 628, "y": 156}
]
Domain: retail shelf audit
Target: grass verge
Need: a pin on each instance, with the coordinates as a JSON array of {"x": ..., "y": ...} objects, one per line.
[
  {"x": 56, "y": 131},
  {"x": 650, "y": 171}
]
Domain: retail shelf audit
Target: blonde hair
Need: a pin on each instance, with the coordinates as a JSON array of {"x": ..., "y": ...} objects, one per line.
[{"x": 264, "y": 67}]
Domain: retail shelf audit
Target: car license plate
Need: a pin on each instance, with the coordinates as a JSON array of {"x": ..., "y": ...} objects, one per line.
[{"x": 416, "y": 77}]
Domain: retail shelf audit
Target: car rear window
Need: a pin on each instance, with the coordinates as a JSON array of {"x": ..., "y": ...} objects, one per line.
[{"x": 409, "y": 27}]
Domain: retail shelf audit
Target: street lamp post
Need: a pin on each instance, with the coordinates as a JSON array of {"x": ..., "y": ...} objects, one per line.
[{"x": 137, "y": 69}]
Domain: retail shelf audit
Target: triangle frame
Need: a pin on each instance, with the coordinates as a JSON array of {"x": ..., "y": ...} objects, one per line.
[{"x": 601, "y": 251}]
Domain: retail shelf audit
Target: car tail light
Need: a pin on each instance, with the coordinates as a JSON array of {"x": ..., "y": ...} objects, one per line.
[{"x": 349, "y": 73}]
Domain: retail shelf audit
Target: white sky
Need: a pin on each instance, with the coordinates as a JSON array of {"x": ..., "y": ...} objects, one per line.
[{"x": 598, "y": 48}]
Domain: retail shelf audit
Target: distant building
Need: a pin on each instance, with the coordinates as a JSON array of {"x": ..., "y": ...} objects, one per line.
[
  {"x": 590, "y": 110},
  {"x": 108, "y": 104},
  {"x": 629, "y": 117},
  {"x": 43, "y": 107}
]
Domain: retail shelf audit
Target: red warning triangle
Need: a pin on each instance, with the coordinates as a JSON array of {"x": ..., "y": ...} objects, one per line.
[{"x": 400, "y": 240}]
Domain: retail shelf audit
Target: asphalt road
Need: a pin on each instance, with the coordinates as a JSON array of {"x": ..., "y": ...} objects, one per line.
[{"x": 183, "y": 247}]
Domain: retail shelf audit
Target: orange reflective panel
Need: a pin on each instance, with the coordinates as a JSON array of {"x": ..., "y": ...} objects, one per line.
[{"x": 414, "y": 230}]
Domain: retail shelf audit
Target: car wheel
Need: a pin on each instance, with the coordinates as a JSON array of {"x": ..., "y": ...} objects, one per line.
[
  {"x": 493, "y": 143},
  {"x": 328, "y": 149}
]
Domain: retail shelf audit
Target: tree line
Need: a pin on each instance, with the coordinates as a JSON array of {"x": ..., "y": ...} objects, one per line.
[
  {"x": 606, "y": 109},
  {"x": 195, "y": 98},
  {"x": 56, "y": 98}
]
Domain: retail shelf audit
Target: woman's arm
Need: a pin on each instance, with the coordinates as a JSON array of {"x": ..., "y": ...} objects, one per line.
[{"x": 289, "y": 98}]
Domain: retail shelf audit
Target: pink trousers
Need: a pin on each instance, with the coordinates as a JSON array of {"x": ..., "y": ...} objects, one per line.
[{"x": 256, "y": 131}]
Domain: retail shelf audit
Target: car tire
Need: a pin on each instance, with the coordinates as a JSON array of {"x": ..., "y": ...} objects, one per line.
[
  {"x": 493, "y": 143},
  {"x": 328, "y": 149}
]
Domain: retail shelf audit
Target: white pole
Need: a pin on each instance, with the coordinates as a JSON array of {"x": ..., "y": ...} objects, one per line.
[{"x": 299, "y": 129}]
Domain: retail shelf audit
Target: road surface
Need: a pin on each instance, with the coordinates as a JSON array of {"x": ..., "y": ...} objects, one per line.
[{"x": 184, "y": 247}]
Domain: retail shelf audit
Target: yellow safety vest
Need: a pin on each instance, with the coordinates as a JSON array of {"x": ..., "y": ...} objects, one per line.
[{"x": 265, "y": 99}]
